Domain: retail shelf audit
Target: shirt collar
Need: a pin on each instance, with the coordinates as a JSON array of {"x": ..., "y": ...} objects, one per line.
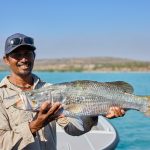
[{"x": 5, "y": 83}]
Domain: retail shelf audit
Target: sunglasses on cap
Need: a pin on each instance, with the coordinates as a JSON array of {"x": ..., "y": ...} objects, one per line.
[{"x": 18, "y": 41}]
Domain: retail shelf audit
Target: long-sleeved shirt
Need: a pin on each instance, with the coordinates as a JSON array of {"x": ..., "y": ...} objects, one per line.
[{"x": 14, "y": 123}]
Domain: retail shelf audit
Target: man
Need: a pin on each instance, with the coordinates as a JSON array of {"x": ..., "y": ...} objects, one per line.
[{"x": 21, "y": 129}]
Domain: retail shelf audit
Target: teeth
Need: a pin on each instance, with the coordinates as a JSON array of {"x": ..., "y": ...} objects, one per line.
[
  {"x": 20, "y": 65},
  {"x": 24, "y": 66}
]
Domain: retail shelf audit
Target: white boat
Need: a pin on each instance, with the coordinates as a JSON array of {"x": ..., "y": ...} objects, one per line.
[{"x": 101, "y": 137}]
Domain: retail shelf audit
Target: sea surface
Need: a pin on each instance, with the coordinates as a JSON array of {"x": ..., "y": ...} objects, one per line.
[{"x": 134, "y": 127}]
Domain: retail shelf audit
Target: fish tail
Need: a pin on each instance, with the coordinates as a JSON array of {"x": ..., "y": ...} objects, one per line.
[{"x": 147, "y": 113}]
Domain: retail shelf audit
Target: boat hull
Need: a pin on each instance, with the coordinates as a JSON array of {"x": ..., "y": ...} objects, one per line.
[{"x": 103, "y": 136}]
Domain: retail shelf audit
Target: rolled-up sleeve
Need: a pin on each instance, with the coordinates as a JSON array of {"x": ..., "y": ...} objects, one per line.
[{"x": 19, "y": 136}]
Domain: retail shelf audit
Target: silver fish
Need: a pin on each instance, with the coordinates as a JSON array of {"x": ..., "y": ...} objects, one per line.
[{"x": 83, "y": 98}]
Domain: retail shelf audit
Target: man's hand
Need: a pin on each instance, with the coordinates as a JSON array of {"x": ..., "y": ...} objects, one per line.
[
  {"x": 46, "y": 114},
  {"x": 115, "y": 112}
]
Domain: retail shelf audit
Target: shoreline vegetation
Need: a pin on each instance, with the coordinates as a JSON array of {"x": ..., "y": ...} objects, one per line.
[{"x": 88, "y": 64}]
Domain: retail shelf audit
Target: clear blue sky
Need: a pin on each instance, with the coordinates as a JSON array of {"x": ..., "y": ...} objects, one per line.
[{"x": 80, "y": 28}]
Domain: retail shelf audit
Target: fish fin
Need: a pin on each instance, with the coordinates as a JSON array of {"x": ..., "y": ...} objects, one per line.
[
  {"x": 77, "y": 122},
  {"x": 123, "y": 86},
  {"x": 147, "y": 113}
]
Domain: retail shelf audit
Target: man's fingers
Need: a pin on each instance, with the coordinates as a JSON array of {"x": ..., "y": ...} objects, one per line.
[
  {"x": 55, "y": 112},
  {"x": 58, "y": 110},
  {"x": 122, "y": 111},
  {"x": 115, "y": 112},
  {"x": 45, "y": 107},
  {"x": 109, "y": 116},
  {"x": 54, "y": 108}
]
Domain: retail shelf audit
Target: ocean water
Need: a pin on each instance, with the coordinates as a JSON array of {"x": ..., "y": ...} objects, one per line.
[{"x": 134, "y": 127}]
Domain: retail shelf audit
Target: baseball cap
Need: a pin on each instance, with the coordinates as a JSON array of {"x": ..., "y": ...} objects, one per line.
[{"x": 18, "y": 40}]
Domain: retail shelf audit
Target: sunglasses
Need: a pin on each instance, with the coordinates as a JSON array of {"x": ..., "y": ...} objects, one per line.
[
  {"x": 18, "y": 41},
  {"x": 16, "y": 55}
]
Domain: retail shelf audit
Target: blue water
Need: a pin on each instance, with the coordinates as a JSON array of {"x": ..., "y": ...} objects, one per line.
[{"x": 134, "y": 127}]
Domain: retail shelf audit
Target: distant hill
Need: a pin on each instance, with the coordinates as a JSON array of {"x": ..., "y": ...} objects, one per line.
[{"x": 89, "y": 64}]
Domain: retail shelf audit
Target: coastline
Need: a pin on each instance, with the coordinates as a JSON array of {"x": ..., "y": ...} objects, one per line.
[{"x": 90, "y": 64}]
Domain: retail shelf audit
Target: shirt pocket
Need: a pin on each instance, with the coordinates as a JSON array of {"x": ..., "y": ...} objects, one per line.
[
  {"x": 16, "y": 116},
  {"x": 9, "y": 105}
]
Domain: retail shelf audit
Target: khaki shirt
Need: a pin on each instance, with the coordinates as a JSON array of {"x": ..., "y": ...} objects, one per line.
[{"x": 14, "y": 123}]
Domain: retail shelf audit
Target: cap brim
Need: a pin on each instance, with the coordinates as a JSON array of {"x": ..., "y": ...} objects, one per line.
[{"x": 22, "y": 45}]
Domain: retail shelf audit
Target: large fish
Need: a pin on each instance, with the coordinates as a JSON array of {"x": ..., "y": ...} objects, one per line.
[{"x": 83, "y": 98}]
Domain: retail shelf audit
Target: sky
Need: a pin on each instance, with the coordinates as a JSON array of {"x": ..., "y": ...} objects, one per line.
[{"x": 80, "y": 28}]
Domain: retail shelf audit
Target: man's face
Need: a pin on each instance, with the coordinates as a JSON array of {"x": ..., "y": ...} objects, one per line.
[{"x": 21, "y": 61}]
